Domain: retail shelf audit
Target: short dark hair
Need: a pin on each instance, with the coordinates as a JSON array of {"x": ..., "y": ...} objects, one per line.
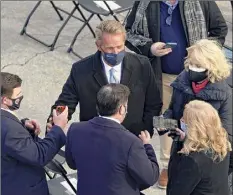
[
  {"x": 8, "y": 83},
  {"x": 110, "y": 97}
]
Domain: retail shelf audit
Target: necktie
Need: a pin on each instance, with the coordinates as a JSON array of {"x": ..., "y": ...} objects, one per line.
[{"x": 112, "y": 78}]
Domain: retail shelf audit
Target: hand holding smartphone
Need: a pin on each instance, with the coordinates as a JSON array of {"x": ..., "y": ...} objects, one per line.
[
  {"x": 60, "y": 109},
  {"x": 171, "y": 45}
]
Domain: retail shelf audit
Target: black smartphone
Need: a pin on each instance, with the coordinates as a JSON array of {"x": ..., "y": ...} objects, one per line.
[{"x": 170, "y": 45}]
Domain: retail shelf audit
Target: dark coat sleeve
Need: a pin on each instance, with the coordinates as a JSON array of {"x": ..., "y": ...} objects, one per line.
[
  {"x": 20, "y": 145},
  {"x": 69, "y": 95},
  {"x": 169, "y": 112},
  {"x": 216, "y": 23},
  {"x": 153, "y": 101},
  {"x": 226, "y": 114},
  {"x": 145, "y": 49},
  {"x": 184, "y": 175},
  {"x": 69, "y": 158},
  {"x": 143, "y": 165}
]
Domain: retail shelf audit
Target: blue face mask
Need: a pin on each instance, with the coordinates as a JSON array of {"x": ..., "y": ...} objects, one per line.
[
  {"x": 183, "y": 126},
  {"x": 114, "y": 59}
]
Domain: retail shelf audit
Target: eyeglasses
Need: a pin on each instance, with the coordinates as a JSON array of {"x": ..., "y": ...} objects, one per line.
[{"x": 169, "y": 18}]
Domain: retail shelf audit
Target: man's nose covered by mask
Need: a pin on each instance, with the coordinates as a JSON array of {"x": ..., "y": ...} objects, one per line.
[
  {"x": 114, "y": 59},
  {"x": 15, "y": 103},
  {"x": 197, "y": 74}
]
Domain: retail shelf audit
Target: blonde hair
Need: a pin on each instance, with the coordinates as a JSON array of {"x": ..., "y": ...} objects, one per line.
[
  {"x": 205, "y": 131},
  {"x": 111, "y": 27},
  {"x": 208, "y": 54}
]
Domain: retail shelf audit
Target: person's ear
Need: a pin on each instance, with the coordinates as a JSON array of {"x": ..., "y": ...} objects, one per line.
[
  {"x": 121, "y": 110},
  {"x": 97, "y": 43},
  {"x": 5, "y": 100}
]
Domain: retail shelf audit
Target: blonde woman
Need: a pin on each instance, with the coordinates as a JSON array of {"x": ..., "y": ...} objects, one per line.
[
  {"x": 201, "y": 166},
  {"x": 204, "y": 79}
]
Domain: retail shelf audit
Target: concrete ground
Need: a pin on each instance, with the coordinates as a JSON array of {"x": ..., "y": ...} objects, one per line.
[{"x": 43, "y": 71}]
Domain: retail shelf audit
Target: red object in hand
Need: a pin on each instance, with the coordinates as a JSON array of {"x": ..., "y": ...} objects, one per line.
[{"x": 60, "y": 109}]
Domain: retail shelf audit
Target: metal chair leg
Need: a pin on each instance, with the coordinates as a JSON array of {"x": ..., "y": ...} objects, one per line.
[
  {"x": 58, "y": 33},
  {"x": 101, "y": 19},
  {"x": 28, "y": 18},
  {"x": 84, "y": 18},
  {"x": 48, "y": 174},
  {"x": 52, "y": 45},
  {"x": 70, "y": 49},
  {"x": 55, "y": 8},
  {"x": 70, "y": 184}
]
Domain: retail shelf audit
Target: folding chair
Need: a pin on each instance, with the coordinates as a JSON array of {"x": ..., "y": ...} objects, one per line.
[
  {"x": 100, "y": 8},
  {"x": 57, "y": 9},
  {"x": 54, "y": 184},
  {"x": 60, "y": 158}
]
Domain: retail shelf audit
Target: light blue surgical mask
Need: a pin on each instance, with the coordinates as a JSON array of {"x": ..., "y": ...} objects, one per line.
[{"x": 183, "y": 126}]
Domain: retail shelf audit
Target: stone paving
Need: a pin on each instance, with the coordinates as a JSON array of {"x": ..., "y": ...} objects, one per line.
[{"x": 43, "y": 71}]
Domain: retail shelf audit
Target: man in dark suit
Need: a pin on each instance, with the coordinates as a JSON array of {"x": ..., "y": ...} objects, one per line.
[
  {"x": 111, "y": 64},
  {"x": 110, "y": 160},
  {"x": 23, "y": 154}
]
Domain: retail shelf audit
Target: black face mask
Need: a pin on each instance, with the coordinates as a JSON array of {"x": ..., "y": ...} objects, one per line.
[
  {"x": 15, "y": 103},
  {"x": 197, "y": 76}
]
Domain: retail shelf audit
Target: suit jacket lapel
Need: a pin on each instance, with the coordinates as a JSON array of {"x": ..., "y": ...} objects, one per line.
[
  {"x": 9, "y": 115},
  {"x": 126, "y": 71},
  {"x": 99, "y": 72}
]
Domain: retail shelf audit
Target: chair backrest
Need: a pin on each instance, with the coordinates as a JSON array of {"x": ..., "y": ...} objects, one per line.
[{"x": 106, "y": 7}]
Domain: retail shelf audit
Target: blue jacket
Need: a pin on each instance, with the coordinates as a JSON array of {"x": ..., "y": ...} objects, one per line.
[
  {"x": 110, "y": 160},
  {"x": 23, "y": 158},
  {"x": 218, "y": 94}
]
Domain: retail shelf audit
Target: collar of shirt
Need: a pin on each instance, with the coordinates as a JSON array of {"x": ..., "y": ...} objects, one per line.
[
  {"x": 107, "y": 68},
  {"x": 170, "y": 5},
  {"x": 10, "y": 112},
  {"x": 110, "y": 118}
]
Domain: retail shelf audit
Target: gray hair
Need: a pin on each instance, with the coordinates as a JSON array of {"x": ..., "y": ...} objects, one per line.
[{"x": 111, "y": 27}]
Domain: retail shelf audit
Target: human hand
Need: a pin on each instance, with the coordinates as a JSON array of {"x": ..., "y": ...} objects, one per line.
[
  {"x": 161, "y": 131},
  {"x": 49, "y": 124},
  {"x": 145, "y": 137},
  {"x": 158, "y": 49},
  {"x": 33, "y": 125},
  {"x": 60, "y": 120},
  {"x": 177, "y": 133}
]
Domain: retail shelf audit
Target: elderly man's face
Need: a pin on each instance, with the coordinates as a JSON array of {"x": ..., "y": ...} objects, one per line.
[{"x": 111, "y": 43}]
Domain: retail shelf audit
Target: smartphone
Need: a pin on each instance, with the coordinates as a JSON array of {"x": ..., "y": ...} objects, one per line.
[
  {"x": 60, "y": 109},
  {"x": 170, "y": 45},
  {"x": 164, "y": 123}
]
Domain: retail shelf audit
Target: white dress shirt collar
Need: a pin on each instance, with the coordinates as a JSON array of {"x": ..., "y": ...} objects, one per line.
[
  {"x": 7, "y": 110},
  {"x": 110, "y": 118}
]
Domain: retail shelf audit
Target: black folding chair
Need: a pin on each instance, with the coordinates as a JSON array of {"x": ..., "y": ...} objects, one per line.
[
  {"x": 100, "y": 8},
  {"x": 54, "y": 185},
  {"x": 60, "y": 158},
  {"x": 57, "y": 9}
]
